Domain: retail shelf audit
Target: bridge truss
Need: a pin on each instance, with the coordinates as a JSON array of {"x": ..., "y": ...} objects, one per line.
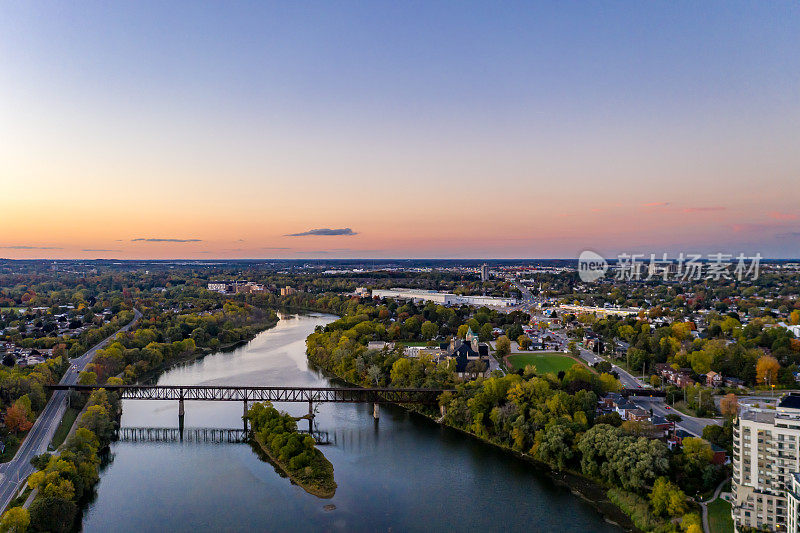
[{"x": 260, "y": 394}]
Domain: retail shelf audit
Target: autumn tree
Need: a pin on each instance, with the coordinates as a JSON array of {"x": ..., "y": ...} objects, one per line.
[
  {"x": 667, "y": 499},
  {"x": 729, "y": 405},
  {"x": 767, "y": 369},
  {"x": 15, "y": 520},
  {"x": 17, "y": 419}
]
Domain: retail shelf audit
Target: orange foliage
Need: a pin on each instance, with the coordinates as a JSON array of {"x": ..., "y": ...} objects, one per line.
[{"x": 17, "y": 420}]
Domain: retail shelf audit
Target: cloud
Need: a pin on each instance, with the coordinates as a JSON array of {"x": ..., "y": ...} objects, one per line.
[
  {"x": 99, "y": 250},
  {"x": 320, "y": 252},
  {"x": 274, "y": 248},
  {"x": 150, "y": 239},
  {"x": 703, "y": 209},
  {"x": 656, "y": 204},
  {"x": 789, "y": 235},
  {"x": 783, "y": 216},
  {"x": 323, "y": 231},
  {"x": 26, "y": 247}
]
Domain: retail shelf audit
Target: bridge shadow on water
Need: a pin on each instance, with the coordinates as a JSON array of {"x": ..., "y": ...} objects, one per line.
[{"x": 195, "y": 435}]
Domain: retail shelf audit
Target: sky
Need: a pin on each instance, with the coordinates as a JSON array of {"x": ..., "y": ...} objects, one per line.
[{"x": 344, "y": 129}]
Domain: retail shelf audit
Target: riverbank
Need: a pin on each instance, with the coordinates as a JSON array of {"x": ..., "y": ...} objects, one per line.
[
  {"x": 154, "y": 373},
  {"x": 323, "y": 486},
  {"x": 587, "y": 489}
]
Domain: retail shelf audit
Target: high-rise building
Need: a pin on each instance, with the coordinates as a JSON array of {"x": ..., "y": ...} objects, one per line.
[
  {"x": 766, "y": 451},
  {"x": 484, "y": 272}
]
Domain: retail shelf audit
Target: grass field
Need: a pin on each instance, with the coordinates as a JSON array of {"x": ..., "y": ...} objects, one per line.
[
  {"x": 719, "y": 516},
  {"x": 63, "y": 428},
  {"x": 544, "y": 362}
]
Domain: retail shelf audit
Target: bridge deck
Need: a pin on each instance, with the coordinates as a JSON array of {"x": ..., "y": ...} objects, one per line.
[{"x": 258, "y": 394}]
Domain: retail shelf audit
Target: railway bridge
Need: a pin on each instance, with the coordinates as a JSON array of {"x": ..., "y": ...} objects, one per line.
[{"x": 246, "y": 394}]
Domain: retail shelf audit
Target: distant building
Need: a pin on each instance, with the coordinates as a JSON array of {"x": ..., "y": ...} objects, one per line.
[
  {"x": 443, "y": 298},
  {"x": 484, "y": 272},
  {"x": 362, "y": 292},
  {"x": 288, "y": 291}
]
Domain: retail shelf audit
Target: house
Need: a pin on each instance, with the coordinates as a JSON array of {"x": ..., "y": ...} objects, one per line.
[
  {"x": 379, "y": 345},
  {"x": 676, "y": 440},
  {"x": 638, "y": 414},
  {"x": 662, "y": 424},
  {"x": 464, "y": 353},
  {"x": 681, "y": 377},
  {"x": 720, "y": 457},
  {"x": 733, "y": 382},
  {"x": 713, "y": 379}
]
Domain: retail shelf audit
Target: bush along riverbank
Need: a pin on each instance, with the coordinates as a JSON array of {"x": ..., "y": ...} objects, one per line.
[
  {"x": 294, "y": 453},
  {"x": 552, "y": 419}
]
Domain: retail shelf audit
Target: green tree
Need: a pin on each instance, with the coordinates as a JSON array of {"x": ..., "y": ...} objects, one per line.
[
  {"x": 429, "y": 330},
  {"x": 502, "y": 346},
  {"x": 524, "y": 342}
]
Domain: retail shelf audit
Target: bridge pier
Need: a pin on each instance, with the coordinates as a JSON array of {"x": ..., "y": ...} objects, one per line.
[
  {"x": 376, "y": 411},
  {"x": 310, "y": 416},
  {"x": 244, "y": 416},
  {"x": 181, "y": 412}
]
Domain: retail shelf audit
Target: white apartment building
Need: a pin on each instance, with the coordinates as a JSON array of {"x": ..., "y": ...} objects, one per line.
[{"x": 766, "y": 451}]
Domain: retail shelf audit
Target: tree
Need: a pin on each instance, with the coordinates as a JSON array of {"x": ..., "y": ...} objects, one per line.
[
  {"x": 17, "y": 420},
  {"x": 87, "y": 378},
  {"x": 767, "y": 368},
  {"x": 729, "y": 405},
  {"x": 48, "y": 513},
  {"x": 697, "y": 450},
  {"x": 667, "y": 499},
  {"x": 502, "y": 346},
  {"x": 701, "y": 361},
  {"x": 485, "y": 333},
  {"x": 524, "y": 342},
  {"x": 429, "y": 330},
  {"x": 374, "y": 374},
  {"x": 15, "y": 520},
  {"x": 609, "y": 383},
  {"x": 691, "y": 523},
  {"x": 794, "y": 317},
  {"x": 462, "y": 331}
]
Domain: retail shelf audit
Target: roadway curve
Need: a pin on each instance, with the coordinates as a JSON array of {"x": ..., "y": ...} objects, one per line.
[{"x": 14, "y": 473}]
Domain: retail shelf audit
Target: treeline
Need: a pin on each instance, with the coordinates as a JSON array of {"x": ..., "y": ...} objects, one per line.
[
  {"x": 161, "y": 338},
  {"x": 277, "y": 434}
]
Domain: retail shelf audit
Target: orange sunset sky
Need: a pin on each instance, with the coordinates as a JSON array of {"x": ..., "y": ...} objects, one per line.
[{"x": 202, "y": 131}]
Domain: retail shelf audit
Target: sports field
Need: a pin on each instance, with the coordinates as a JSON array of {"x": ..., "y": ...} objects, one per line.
[{"x": 544, "y": 362}]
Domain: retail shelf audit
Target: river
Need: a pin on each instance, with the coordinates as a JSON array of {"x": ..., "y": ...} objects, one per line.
[{"x": 401, "y": 473}]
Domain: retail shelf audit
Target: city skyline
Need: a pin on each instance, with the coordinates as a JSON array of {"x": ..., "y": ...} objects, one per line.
[{"x": 195, "y": 131}]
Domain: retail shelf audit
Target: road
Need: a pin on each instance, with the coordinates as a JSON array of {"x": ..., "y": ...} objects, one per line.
[
  {"x": 14, "y": 473},
  {"x": 688, "y": 423}
]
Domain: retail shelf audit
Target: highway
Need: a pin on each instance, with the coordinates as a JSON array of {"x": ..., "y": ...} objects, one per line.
[{"x": 14, "y": 473}]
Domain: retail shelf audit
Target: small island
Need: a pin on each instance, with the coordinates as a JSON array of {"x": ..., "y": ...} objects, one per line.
[{"x": 296, "y": 454}]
